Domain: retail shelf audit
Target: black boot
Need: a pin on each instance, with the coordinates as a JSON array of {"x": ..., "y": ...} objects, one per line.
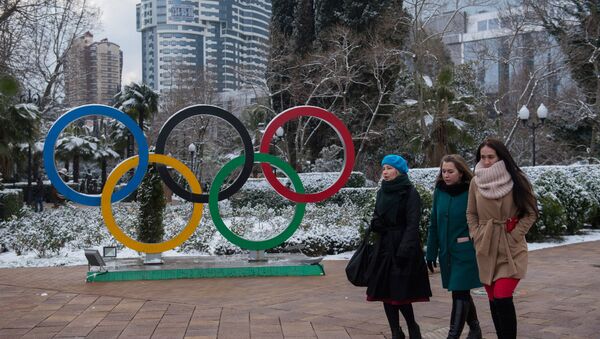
[
  {"x": 473, "y": 322},
  {"x": 495, "y": 318},
  {"x": 393, "y": 317},
  {"x": 414, "y": 331},
  {"x": 460, "y": 309},
  {"x": 508, "y": 317}
]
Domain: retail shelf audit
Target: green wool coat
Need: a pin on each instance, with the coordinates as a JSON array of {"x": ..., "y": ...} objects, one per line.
[{"x": 458, "y": 263}]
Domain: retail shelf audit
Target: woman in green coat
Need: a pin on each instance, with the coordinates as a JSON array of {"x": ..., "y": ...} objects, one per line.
[{"x": 448, "y": 239}]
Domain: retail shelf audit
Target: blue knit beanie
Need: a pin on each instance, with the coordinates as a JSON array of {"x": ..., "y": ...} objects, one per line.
[{"x": 396, "y": 162}]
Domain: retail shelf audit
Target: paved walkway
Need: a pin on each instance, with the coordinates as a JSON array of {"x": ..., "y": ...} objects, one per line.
[{"x": 560, "y": 298}]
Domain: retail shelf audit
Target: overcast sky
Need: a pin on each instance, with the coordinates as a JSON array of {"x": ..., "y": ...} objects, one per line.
[{"x": 118, "y": 26}]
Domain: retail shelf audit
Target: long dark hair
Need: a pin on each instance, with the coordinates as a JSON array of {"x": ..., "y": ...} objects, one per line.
[
  {"x": 461, "y": 166},
  {"x": 522, "y": 190}
]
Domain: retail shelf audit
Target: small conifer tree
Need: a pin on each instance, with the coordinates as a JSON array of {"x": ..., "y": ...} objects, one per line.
[{"x": 152, "y": 205}]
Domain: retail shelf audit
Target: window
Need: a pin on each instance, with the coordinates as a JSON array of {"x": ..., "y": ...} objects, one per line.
[
  {"x": 482, "y": 26},
  {"x": 493, "y": 24}
]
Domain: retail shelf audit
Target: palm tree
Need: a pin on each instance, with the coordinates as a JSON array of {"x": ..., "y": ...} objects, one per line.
[
  {"x": 139, "y": 101},
  {"x": 76, "y": 145},
  {"x": 106, "y": 145},
  {"x": 19, "y": 123}
]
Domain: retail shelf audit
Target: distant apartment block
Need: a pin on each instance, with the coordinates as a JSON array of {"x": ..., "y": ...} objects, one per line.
[
  {"x": 92, "y": 71},
  {"x": 186, "y": 40},
  {"x": 499, "y": 52}
]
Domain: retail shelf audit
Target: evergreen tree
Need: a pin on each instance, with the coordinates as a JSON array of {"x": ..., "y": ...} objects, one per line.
[
  {"x": 350, "y": 73},
  {"x": 326, "y": 14},
  {"x": 304, "y": 27},
  {"x": 358, "y": 14},
  {"x": 152, "y": 205},
  {"x": 575, "y": 23}
]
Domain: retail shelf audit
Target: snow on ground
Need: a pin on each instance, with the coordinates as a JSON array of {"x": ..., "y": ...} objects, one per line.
[
  {"x": 591, "y": 235},
  {"x": 72, "y": 258},
  {"x": 68, "y": 258}
]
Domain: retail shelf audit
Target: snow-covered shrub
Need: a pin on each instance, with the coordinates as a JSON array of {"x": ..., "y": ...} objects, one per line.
[
  {"x": 552, "y": 221},
  {"x": 424, "y": 177},
  {"x": 330, "y": 159},
  {"x": 426, "y": 205},
  {"x": 330, "y": 229},
  {"x": 12, "y": 201},
  {"x": 259, "y": 192},
  {"x": 573, "y": 197},
  {"x": 37, "y": 232},
  {"x": 364, "y": 196},
  {"x": 313, "y": 182},
  {"x": 590, "y": 180}
]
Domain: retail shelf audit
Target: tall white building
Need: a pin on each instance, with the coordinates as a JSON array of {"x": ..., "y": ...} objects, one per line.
[
  {"x": 185, "y": 39},
  {"x": 502, "y": 46}
]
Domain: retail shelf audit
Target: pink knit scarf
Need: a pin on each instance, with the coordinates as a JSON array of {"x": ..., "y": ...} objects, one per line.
[{"x": 493, "y": 182}]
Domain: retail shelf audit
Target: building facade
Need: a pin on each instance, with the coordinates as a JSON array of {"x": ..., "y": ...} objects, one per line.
[
  {"x": 504, "y": 47},
  {"x": 189, "y": 40},
  {"x": 92, "y": 71}
]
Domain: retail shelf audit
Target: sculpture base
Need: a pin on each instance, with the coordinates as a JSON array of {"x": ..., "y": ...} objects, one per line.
[{"x": 208, "y": 267}]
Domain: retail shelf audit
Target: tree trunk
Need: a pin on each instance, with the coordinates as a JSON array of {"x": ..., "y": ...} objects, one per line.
[
  {"x": 76, "y": 167},
  {"x": 103, "y": 168}
]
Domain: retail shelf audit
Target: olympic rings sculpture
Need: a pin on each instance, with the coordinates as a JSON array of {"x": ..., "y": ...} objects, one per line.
[{"x": 141, "y": 161}]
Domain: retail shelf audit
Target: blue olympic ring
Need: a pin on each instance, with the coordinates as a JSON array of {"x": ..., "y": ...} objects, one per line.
[{"x": 79, "y": 112}]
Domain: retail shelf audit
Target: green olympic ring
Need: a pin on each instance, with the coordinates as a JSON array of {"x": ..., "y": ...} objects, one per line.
[{"x": 213, "y": 203}]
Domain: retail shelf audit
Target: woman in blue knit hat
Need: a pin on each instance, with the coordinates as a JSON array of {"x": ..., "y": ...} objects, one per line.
[{"x": 398, "y": 270}]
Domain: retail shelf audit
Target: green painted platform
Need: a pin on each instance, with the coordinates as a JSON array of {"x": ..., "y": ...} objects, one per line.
[{"x": 207, "y": 267}]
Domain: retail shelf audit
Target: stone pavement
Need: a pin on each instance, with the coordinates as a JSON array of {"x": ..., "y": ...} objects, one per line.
[{"x": 560, "y": 298}]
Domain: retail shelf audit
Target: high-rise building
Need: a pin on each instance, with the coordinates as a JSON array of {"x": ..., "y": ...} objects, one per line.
[
  {"x": 92, "y": 71},
  {"x": 504, "y": 47},
  {"x": 183, "y": 40}
]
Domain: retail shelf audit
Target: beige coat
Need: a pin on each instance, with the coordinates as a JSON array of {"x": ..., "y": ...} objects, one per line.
[{"x": 499, "y": 254}]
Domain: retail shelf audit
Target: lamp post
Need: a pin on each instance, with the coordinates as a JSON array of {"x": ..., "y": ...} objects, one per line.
[
  {"x": 192, "y": 150},
  {"x": 29, "y": 99},
  {"x": 533, "y": 124}
]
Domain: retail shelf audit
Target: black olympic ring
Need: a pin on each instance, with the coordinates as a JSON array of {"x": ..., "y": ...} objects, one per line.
[{"x": 191, "y": 111}]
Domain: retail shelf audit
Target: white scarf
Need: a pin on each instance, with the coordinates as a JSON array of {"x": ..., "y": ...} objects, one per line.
[{"x": 493, "y": 182}]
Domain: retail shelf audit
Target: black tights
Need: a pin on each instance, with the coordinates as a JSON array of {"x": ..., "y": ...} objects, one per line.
[{"x": 391, "y": 312}]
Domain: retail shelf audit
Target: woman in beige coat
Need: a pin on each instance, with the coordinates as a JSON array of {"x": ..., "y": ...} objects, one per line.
[{"x": 500, "y": 210}]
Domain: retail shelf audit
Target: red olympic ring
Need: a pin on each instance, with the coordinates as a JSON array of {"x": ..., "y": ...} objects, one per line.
[{"x": 341, "y": 131}]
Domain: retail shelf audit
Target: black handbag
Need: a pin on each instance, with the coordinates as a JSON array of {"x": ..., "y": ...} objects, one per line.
[{"x": 357, "y": 270}]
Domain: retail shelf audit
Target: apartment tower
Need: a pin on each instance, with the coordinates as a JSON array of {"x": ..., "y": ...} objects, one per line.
[
  {"x": 92, "y": 71},
  {"x": 226, "y": 40}
]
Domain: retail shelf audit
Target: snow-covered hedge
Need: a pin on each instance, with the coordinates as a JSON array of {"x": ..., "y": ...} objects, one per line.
[
  {"x": 11, "y": 201},
  {"x": 567, "y": 197}
]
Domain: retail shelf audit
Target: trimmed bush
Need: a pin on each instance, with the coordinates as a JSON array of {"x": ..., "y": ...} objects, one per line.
[
  {"x": 11, "y": 201},
  {"x": 426, "y": 205},
  {"x": 575, "y": 200},
  {"x": 552, "y": 221}
]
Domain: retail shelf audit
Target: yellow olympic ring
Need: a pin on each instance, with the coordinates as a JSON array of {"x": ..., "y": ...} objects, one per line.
[{"x": 116, "y": 231}]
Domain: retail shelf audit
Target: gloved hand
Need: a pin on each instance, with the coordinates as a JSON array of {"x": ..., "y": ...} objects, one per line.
[
  {"x": 377, "y": 224},
  {"x": 431, "y": 264},
  {"x": 511, "y": 223}
]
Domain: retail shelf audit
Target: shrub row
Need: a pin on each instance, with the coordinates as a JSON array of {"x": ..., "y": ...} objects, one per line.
[{"x": 567, "y": 199}]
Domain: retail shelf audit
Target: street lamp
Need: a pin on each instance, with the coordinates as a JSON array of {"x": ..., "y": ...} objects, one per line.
[
  {"x": 192, "y": 150},
  {"x": 542, "y": 114},
  {"x": 279, "y": 133}
]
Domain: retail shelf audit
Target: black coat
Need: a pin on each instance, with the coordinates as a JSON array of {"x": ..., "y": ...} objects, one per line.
[{"x": 398, "y": 271}]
